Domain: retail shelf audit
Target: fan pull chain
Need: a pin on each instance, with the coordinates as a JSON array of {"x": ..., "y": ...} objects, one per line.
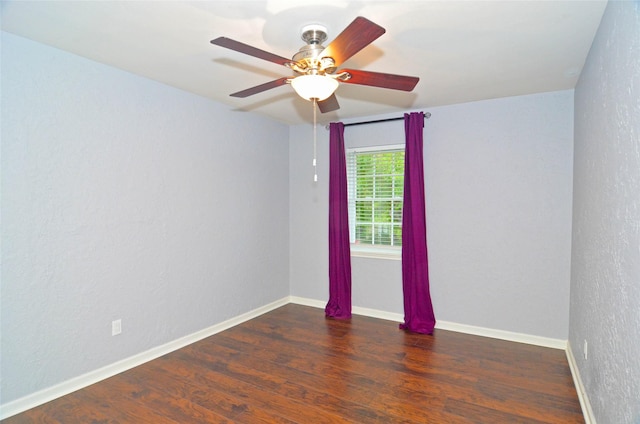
[{"x": 315, "y": 139}]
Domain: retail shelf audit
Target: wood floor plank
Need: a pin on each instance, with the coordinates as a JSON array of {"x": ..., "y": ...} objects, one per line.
[
  {"x": 205, "y": 395},
  {"x": 292, "y": 365},
  {"x": 305, "y": 374},
  {"x": 216, "y": 376}
]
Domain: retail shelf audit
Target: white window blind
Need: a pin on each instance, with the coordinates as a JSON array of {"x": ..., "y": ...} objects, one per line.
[{"x": 375, "y": 184}]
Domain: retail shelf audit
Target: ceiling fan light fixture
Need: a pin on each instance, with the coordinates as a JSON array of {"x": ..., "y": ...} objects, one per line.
[{"x": 318, "y": 87}]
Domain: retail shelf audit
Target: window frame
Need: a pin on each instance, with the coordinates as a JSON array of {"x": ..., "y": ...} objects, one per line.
[{"x": 367, "y": 250}]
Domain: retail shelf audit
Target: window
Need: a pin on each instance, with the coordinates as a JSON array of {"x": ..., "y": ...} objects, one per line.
[{"x": 375, "y": 184}]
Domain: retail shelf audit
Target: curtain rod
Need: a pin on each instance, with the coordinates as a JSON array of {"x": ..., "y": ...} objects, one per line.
[{"x": 427, "y": 115}]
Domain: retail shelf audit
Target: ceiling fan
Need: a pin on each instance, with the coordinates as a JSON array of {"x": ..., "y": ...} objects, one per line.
[{"x": 316, "y": 66}]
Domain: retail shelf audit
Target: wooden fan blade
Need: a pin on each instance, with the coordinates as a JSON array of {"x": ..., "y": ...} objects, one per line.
[
  {"x": 250, "y": 50},
  {"x": 377, "y": 79},
  {"x": 329, "y": 104},
  {"x": 359, "y": 34},
  {"x": 260, "y": 88}
]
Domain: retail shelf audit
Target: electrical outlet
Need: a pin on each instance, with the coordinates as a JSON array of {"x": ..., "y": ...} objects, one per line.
[
  {"x": 116, "y": 327},
  {"x": 586, "y": 350}
]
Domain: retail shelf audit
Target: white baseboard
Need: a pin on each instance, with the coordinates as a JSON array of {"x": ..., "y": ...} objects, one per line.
[
  {"x": 38, "y": 398},
  {"x": 356, "y": 310},
  {"x": 304, "y": 301},
  {"x": 587, "y": 412},
  {"x": 375, "y": 313},
  {"x": 450, "y": 326},
  {"x": 503, "y": 335}
]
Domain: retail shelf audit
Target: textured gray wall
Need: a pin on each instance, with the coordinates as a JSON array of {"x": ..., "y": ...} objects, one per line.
[
  {"x": 605, "y": 277},
  {"x": 125, "y": 198},
  {"x": 498, "y": 185}
]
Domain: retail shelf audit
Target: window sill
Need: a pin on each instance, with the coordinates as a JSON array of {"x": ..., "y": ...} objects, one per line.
[{"x": 359, "y": 251}]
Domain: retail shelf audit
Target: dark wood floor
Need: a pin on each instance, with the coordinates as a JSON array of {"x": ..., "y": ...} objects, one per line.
[{"x": 292, "y": 365}]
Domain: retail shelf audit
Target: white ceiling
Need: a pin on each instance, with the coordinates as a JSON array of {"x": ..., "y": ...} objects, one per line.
[{"x": 461, "y": 50}]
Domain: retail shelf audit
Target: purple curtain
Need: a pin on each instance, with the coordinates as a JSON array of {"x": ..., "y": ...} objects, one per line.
[
  {"x": 339, "y": 305},
  {"x": 418, "y": 311}
]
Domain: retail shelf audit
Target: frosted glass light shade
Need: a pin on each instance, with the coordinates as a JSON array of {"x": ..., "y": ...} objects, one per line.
[{"x": 314, "y": 86}]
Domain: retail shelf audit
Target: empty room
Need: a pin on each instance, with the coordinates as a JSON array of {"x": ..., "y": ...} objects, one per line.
[{"x": 320, "y": 212}]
